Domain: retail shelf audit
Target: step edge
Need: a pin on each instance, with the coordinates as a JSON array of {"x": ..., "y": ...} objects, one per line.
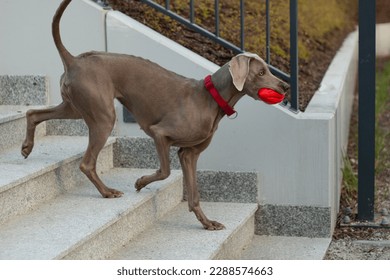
[
  {"x": 173, "y": 183},
  {"x": 250, "y": 218},
  {"x": 60, "y": 254},
  {"x": 211, "y": 254},
  {"x": 54, "y": 166}
]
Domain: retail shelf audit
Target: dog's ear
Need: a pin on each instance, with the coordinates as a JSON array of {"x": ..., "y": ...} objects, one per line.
[{"x": 239, "y": 70}]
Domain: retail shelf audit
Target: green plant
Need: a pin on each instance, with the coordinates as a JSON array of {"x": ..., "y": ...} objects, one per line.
[
  {"x": 350, "y": 179},
  {"x": 382, "y": 136},
  {"x": 381, "y": 104}
]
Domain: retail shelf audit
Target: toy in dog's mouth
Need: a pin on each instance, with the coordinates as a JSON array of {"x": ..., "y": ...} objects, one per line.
[{"x": 270, "y": 96}]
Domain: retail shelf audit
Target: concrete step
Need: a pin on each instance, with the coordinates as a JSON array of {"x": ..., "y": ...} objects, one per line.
[
  {"x": 51, "y": 169},
  {"x": 180, "y": 236},
  {"x": 13, "y": 126},
  {"x": 23, "y": 90},
  {"x": 265, "y": 247},
  {"x": 80, "y": 224}
]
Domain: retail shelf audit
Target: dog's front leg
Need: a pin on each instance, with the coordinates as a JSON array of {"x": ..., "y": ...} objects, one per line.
[
  {"x": 162, "y": 147},
  {"x": 188, "y": 159}
]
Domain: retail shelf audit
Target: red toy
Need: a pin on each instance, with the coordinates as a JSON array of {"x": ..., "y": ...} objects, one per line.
[{"x": 270, "y": 96}]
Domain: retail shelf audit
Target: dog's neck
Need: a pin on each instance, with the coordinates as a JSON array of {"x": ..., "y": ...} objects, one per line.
[{"x": 223, "y": 82}]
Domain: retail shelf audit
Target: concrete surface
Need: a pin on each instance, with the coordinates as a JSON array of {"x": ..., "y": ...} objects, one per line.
[
  {"x": 12, "y": 119},
  {"x": 216, "y": 186},
  {"x": 23, "y": 90},
  {"x": 286, "y": 248},
  {"x": 180, "y": 236},
  {"x": 373, "y": 243},
  {"x": 51, "y": 169},
  {"x": 297, "y": 221},
  {"x": 80, "y": 224},
  {"x": 382, "y": 39}
]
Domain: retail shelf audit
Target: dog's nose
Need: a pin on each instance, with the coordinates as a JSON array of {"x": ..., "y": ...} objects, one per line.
[{"x": 284, "y": 86}]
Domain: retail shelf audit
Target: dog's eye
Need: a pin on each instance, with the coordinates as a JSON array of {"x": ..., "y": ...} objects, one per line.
[{"x": 261, "y": 73}]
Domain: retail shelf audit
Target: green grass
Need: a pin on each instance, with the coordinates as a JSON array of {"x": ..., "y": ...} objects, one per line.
[
  {"x": 382, "y": 136},
  {"x": 350, "y": 180},
  {"x": 381, "y": 104},
  {"x": 382, "y": 89}
]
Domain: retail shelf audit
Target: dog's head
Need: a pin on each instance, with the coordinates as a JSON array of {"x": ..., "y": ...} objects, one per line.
[{"x": 252, "y": 76}]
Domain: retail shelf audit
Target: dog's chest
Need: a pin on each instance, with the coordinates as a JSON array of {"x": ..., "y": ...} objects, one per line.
[{"x": 184, "y": 131}]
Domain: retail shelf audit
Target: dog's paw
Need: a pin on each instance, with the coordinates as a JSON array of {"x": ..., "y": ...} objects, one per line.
[
  {"x": 26, "y": 149},
  {"x": 112, "y": 193},
  {"x": 214, "y": 225},
  {"x": 140, "y": 184}
]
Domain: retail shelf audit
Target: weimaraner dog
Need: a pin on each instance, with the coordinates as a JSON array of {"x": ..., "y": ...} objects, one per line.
[{"x": 172, "y": 109}]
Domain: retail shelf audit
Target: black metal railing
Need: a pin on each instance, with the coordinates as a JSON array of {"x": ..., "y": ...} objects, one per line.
[
  {"x": 189, "y": 22},
  {"x": 366, "y": 141}
]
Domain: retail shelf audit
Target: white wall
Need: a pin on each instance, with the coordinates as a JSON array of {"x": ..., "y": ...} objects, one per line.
[
  {"x": 26, "y": 44},
  {"x": 383, "y": 39}
]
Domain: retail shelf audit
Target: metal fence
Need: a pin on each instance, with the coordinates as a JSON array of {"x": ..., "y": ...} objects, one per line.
[{"x": 189, "y": 22}]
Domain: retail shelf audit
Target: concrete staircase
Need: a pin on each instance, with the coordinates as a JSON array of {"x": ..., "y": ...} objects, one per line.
[{"x": 50, "y": 210}]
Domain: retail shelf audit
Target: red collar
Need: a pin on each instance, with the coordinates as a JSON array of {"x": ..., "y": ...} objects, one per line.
[{"x": 208, "y": 83}]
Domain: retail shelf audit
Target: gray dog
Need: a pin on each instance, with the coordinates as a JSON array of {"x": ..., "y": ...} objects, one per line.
[{"x": 173, "y": 110}]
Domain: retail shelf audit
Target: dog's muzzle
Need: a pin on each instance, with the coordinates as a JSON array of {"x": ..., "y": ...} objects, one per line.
[{"x": 270, "y": 96}]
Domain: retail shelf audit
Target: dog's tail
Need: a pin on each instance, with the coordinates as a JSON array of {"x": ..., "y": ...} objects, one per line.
[{"x": 66, "y": 57}]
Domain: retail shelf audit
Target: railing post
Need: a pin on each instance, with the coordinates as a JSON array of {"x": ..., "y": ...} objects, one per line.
[
  {"x": 216, "y": 15},
  {"x": 192, "y": 11},
  {"x": 294, "y": 55},
  {"x": 242, "y": 21},
  {"x": 267, "y": 33},
  {"x": 366, "y": 126}
]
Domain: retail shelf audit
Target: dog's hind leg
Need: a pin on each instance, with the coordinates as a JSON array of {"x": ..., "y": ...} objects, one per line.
[
  {"x": 188, "y": 160},
  {"x": 162, "y": 147},
  {"x": 100, "y": 124},
  {"x": 35, "y": 117}
]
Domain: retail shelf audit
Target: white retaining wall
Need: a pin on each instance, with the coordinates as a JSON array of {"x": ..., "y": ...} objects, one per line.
[
  {"x": 383, "y": 39},
  {"x": 298, "y": 156}
]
